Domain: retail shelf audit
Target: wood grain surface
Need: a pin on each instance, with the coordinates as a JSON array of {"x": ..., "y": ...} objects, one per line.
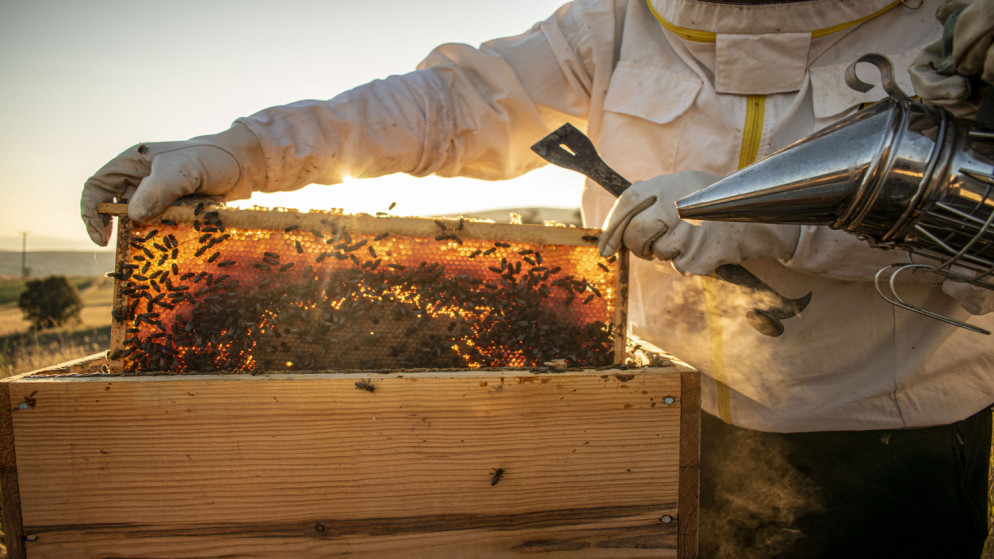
[{"x": 312, "y": 466}]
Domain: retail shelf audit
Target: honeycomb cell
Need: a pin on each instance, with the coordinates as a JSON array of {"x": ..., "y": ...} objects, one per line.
[{"x": 214, "y": 290}]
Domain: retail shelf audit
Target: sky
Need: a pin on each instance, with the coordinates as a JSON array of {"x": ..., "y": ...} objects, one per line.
[{"x": 82, "y": 81}]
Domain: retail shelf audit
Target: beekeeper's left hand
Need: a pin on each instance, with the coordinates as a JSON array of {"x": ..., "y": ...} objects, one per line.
[
  {"x": 941, "y": 77},
  {"x": 645, "y": 220}
]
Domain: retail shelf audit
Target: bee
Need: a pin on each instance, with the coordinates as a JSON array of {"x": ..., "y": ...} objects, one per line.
[
  {"x": 496, "y": 474},
  {"x": 200, "y": 208},
  {"x": 167, "y": 222},
  {"x": 392, "y": 206},
  {"x": 603, "y": 267},
  {"x": 381, "y": 236},
  {"x": 299, "y": 247},
  {"x": 590, "y": 238},
  {"x": 142, "y": 149},
  {"x": 366, "y": 385},
  {"x": 291, "y": 228}
]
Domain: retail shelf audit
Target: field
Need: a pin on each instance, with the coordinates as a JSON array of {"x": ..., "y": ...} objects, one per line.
[{"x": 22, "y": 350}]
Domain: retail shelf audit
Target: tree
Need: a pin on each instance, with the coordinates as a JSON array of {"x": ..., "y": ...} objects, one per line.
[{"x": 50, "y": 302}]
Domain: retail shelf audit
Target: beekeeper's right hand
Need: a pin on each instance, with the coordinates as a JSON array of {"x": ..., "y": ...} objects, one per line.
[{"x": 224, "y": 166}]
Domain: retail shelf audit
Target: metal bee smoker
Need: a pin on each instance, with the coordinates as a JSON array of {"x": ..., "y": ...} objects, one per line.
[{"x": 898, "y": 174}]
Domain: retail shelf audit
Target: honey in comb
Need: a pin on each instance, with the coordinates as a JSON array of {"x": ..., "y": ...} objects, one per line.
[{"x": 267, "y": 295}]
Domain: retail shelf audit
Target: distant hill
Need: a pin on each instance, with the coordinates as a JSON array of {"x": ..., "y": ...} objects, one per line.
[
  {"x": 42, "y": 243},
  {"x": 57, "y": 263}
]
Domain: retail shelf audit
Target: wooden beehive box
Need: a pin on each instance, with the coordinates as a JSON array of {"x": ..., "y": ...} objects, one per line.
[
  {"x": 595, "y": 463},
  {"x": 298, "y": 385}
]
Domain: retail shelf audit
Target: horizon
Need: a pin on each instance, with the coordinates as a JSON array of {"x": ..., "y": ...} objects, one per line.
[{"x": 75, "y": 98}]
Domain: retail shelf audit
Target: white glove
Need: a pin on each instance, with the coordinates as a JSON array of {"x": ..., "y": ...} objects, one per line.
[
  {"x": 222, "y": 166},
  {"x": 975, "y": 300},
  {"x": 945, "y": 81},
  {"x": 645, "y": 219}
]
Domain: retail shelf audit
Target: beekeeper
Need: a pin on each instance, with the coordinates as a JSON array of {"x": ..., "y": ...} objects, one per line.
[{"x": 887, "y": 431}]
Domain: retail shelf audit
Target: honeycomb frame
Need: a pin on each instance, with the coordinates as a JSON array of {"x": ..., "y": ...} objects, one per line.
[{"x": 216, "y": 289}]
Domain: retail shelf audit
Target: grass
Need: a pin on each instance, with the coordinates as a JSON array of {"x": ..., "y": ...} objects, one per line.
[{"x": 23, "y": 350}]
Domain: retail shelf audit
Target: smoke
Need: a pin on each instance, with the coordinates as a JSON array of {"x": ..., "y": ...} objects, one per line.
[{"x": 750, "y": 495}]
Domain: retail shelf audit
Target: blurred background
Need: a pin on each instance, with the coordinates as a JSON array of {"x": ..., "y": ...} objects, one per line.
[{"x": 82, "y": 81}]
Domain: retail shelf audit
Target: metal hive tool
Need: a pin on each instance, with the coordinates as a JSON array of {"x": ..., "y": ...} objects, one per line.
[{"x": 213, "y": 289}]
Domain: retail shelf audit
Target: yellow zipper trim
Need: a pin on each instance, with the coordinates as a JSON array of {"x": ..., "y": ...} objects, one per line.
[
  {"x": 752, "y": 133},
  {"x": 698, "y": 36}
]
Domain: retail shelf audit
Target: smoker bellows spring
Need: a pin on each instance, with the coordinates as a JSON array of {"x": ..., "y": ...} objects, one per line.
[{"x": 213, "y": 289}]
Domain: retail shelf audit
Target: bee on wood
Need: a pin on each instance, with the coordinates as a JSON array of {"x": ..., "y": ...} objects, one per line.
[
  {"x": 590, "y": 238},
  {"x": 291, "y": 228},
  {"x": 199, "y": 208},
  {"x": 366, "y": 385},
  {"x": 381, "y": 236},
  {"x": 496, "y": 474},
  {"x": 167, "y": 222}
]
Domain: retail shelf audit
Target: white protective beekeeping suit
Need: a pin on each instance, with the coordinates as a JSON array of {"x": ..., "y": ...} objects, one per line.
[{"x": 663, "y": 86}]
